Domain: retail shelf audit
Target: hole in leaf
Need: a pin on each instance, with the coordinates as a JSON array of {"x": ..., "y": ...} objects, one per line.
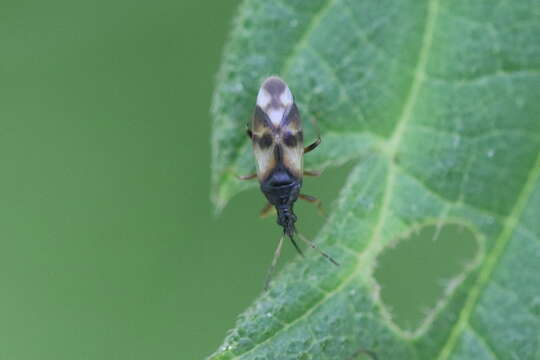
[{"x": 414, "y": 274}]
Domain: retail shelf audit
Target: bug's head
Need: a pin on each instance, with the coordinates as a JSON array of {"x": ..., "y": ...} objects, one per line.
[{"x": 287, "y": 219}]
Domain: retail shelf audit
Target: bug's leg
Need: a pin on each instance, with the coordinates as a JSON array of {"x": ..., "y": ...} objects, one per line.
[
  {"x": 250, "y": 176},
  {"x": 313, "y": 145},
  {"x": 274, "y": 262},
  {"x": 266, "y": 210},
  {"x": 314, "y": 246},
  {"x": 312, "y": 173},
  {"x": 316, "y": 143},
  {"x": 315, "y": 201},
  {"x": 246, "y": 177}
]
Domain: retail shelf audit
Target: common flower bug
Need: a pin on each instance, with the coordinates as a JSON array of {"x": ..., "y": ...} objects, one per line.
[{"x": 278, "y": 145}]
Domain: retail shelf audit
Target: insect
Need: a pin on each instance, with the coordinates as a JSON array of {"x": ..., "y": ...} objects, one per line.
[{"x": 278, "y": 145}]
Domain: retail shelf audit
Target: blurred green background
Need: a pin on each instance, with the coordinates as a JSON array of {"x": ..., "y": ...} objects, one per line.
[{"x": 109, "y": 247}]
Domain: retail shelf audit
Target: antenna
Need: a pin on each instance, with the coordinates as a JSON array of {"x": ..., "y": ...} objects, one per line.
[
  {"x": 296, "y": 246},
  {"x": 274, "y": 262},
  {"x": 314, "y": 246}
]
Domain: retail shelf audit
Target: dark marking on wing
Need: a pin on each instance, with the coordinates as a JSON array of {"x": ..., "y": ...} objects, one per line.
[
  {"x": 290, "y": 140},
  {"x": 275, "y": 87},
  {"x": 260, "y": 119},
  {"x": 265, "y": 141},
  {"x": 291, "y": 118}
]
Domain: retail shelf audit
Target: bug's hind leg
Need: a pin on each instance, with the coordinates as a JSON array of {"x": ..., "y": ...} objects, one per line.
[
  {"x": 315, "y": 201},
  {"x": 266, "y": 210}
]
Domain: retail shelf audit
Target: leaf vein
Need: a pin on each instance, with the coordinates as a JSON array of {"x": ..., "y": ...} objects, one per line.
[
  {"x": 510, "y": 224},
  {"x": 456, "y": 204},
  {"x": 493, "y": 132},
  {"x": 327, "y": 295},
  {"x": 341, "y": 85},
  {"x": 482, "y": 79},
  {"x": 315, "y": 20},
  {"x": 516, "y": 296},
  {"x": 393, "y": 144},
  {"x": 483, "y": 341}
]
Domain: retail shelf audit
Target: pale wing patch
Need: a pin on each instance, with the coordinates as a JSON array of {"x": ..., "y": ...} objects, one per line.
[
  {"x": 263, "y": 98},
  {"x": 286, "y": 97},
  {"x": 275, "y": 115},
  {"x": 265, "y": 160},
  {"x": 274, "y": 98},
  {"x": 293, "y": 159}
]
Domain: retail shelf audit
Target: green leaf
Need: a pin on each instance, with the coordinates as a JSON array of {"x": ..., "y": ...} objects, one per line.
[{"x": 437, "y": 104}]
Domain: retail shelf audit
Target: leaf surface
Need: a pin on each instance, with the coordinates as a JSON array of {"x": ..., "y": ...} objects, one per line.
[{"x": 436, "y": 102}]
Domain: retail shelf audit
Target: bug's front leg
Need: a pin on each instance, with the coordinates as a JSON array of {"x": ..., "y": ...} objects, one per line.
[
  {"x": 316, "y": 143},
  {"x": 250, "y": 176},
  {"x": 313, "y": 145}
]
